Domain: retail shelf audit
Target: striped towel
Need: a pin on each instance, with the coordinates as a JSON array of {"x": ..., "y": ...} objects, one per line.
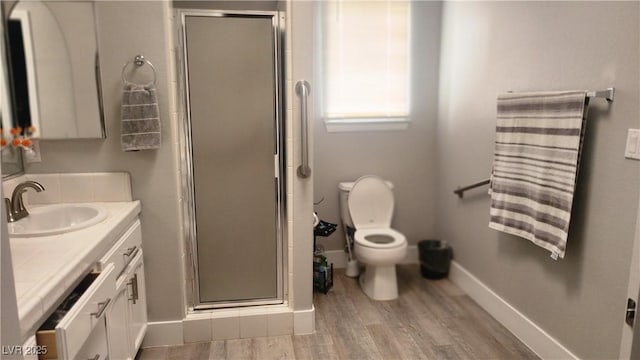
[
  {"x": 538, "y": 142},
  {"x": 140, "y": 125}
]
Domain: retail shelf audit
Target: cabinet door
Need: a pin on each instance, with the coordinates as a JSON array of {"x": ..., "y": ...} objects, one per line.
[
  {"x": 117, "y": 326},
  {"x": 137, "y": 300}
]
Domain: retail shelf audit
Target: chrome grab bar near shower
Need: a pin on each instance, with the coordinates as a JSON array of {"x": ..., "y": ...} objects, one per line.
[{"x": 302, "y": 89}]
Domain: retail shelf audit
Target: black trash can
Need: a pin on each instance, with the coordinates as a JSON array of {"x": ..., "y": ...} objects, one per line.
[{"x": 435, "y": 258}]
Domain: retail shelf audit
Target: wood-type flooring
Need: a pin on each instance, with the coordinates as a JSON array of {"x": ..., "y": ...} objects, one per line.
[{"x": 431, "y": 319}]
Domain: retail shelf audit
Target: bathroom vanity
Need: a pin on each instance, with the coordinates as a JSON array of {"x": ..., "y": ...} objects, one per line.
[{"x": 81, "y": 294}]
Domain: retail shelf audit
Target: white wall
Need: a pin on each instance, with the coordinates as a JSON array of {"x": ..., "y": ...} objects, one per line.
[
  {"x": 493, "y": 47},
  {"x": 406, "y": 157}
]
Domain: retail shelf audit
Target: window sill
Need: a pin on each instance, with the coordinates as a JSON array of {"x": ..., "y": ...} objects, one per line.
[{"x": 353, "y": 125}]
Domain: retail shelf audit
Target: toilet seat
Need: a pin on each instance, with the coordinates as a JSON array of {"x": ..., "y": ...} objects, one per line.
[
  {"x": 397, "y": 238},
  {"x": 371, "y": 203}
]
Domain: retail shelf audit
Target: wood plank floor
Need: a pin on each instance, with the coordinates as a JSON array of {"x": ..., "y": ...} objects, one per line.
[{"x": 432, "y": 319}]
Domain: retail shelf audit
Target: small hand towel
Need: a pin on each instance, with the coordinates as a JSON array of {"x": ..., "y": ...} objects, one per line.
[
  {"x": 140, "y": 123},
  {"x": 538, "y": 143}
]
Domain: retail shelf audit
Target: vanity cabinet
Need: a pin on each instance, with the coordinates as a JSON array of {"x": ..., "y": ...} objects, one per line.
[{"x": 105, "y": 316}]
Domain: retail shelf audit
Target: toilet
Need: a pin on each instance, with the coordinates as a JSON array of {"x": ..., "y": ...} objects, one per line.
[{"x": 370, "y": 203}]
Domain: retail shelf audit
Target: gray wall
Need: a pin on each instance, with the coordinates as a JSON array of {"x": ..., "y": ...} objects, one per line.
[
  {"x": 493, "y": 47},
  {"x": 407, "y": 158},
  {"x": 153, "y": 172}
]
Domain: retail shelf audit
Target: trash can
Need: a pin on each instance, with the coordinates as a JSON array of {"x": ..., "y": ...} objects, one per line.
[{"x": 435, "y": 258}]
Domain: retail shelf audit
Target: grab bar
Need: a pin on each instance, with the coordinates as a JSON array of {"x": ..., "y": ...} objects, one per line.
[
  {"x": 460, "y": 191},
  {"x": 302, "y": 89}
]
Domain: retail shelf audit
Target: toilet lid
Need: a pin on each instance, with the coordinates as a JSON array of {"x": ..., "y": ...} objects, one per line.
[
  {"x": 384, "y": 238},
  {"x": 371, "y": 203}
]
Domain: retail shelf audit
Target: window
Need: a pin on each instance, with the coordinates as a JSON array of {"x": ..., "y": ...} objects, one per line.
[{"x": 365, "y": 64}]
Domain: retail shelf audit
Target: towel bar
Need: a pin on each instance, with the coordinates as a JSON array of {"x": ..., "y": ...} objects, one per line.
[
  {"x": 607, "y": 94},
  {"x": 460, "y": 191}
]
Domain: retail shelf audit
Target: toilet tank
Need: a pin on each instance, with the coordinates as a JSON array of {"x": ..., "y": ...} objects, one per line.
[{"x": 344, "y": 188}]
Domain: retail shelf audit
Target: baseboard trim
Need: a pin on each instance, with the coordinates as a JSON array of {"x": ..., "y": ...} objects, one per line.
[
  {"x": 522, "y": 327},
  {"x": 278, "y": 320},
  {"x": 304, "y": 321},
  {"x": 163, "y": 333},
  {"x": 339, "y": 258}
]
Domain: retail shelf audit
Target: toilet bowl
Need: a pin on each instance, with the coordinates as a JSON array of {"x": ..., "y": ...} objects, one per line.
[{"x": 379, "y": 247}]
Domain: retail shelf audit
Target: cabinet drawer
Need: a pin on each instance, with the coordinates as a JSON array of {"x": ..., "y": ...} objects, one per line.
[
  {"x": 96, "y": 345},
  {"x": 67, "y": 329},
  {"x": 124, "y": 250}
]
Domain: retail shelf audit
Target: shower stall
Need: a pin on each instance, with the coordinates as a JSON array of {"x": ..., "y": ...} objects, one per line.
[{"x": 233, "y": 156}]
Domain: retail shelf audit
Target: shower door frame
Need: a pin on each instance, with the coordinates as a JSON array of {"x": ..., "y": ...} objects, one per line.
[{"x": 186, "y": 157}]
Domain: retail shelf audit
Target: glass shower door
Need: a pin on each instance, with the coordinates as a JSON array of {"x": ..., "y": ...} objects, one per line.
[{"x": 233, "y": 100}]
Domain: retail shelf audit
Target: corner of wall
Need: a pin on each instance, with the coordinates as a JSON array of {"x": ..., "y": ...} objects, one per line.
[
  {"x": 300, "y": 191},
  {"x": 174, "y": 111}
]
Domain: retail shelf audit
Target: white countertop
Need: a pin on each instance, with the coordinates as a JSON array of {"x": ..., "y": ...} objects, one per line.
[{"x": 45, "y": 268}]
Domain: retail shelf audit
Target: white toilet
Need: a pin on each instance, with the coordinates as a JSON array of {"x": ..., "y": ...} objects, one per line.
[{"x": 370, "y": 203}]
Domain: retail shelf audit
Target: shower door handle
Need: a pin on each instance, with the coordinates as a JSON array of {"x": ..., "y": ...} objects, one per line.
[{"x": 303, "y": 89}]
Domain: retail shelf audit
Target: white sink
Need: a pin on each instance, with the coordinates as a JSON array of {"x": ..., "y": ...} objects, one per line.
[{"x": 57, "y": 219}]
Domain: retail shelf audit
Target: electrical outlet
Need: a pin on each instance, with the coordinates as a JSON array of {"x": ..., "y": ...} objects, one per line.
[
  {"x": 632, "y": 150},
  {"x": 33, "y": 155}
]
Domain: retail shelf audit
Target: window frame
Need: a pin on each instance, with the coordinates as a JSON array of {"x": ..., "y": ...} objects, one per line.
[{"x": 373, "y": 122}]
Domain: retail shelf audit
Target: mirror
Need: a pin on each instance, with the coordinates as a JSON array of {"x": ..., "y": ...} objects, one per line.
[
  {"x": 11, "y": 157},
  {"x": 55, "y": 69}
]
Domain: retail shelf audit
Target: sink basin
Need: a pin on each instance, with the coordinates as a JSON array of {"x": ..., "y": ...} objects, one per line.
[{"x": 57, "y": 219}]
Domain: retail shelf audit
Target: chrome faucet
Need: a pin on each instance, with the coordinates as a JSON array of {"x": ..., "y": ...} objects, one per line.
[{"x": 15, "y": 206}]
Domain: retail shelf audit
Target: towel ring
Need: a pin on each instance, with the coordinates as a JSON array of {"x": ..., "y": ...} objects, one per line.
[{"x": 139, "y": 60}]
